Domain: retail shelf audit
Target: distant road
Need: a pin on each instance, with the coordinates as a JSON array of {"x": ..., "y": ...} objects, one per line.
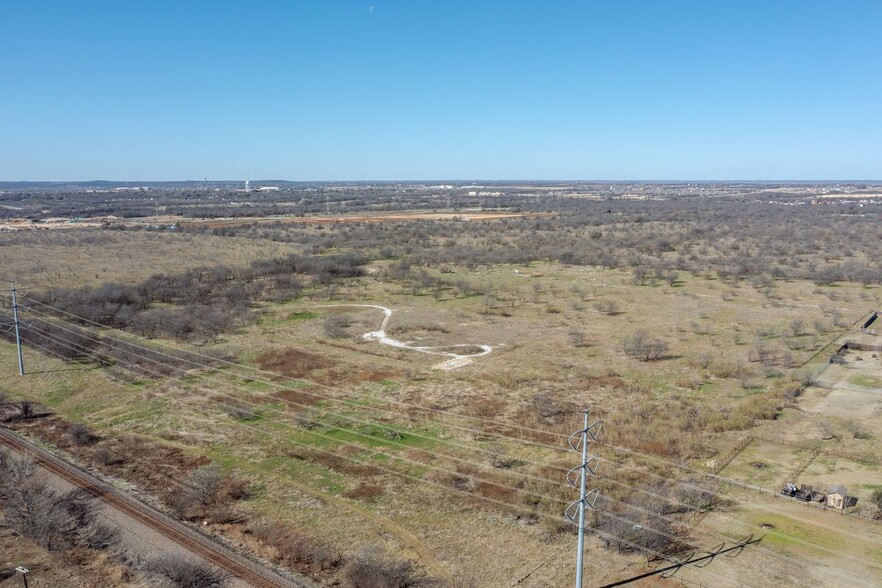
[
  {"x": 22, "y": 224},
  {"x": 358, "y": 218}
]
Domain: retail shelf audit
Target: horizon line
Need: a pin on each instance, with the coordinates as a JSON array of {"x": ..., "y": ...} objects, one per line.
[{"x": 460, "y": 180}]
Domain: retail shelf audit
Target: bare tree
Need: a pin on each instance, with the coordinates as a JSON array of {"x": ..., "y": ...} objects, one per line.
[
  {"x": 81, "y": 435},
  {"x": 185, "y": 574},
  {"x": 641, "y": 345},
  {"x": 54, "y": 521},
  {"x": 609, "y": 307},
  {"x": 370, "y": 570},
  {"x": 26, "y": 409}
]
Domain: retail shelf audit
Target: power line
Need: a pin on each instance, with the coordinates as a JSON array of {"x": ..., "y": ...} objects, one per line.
[
  {"x": 644, "y": 472},
  {"x": 630, "y": 522},
  {"x": 412, "y": 406},
  {"x": 625, "y": 450},
  {"x": 650, "y": 529},
  {"x": 306, "y": 381},
  {"x": 506, "y": 504}
]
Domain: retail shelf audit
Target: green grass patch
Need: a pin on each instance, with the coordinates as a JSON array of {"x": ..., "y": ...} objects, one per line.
[
  {"x": 793, "y": 534},
  {"x": 866, "y": 381},
  {"x": 302, "y": 316}
]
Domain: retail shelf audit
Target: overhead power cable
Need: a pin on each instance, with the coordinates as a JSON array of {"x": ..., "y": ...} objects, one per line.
[{"x": 140, "y": 368}]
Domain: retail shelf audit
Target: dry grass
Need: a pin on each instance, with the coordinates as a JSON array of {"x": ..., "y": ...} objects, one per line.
[
  {"x": 292, "y": 362},
  {"x": 692, "y": 405},
  {"x": 92, "y": 257}
]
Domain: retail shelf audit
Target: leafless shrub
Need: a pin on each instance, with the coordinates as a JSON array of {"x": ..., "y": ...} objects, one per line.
[
  {"x": 206, "y": 483},
  {"x": 578, "y": 338},
  {"x": 81, "y": 435},
  {"x": 499, "y": 458},
  {"x": 798, "y": 328},
  {"x": 307, "y": 419},
  {"x": 336, "y": 325},
  {"x": 185, "y": 574},
  {"x": 239, "y": 411},
  {"x": 635, "y": 531},
  {"x": 206, "y": 491},
  {"x": 608, "y": 307},
  {"x": 103, "y": 456},
  {"x": 14, "y": 473},
  {"x": 55, "y": 521},
  {"x": 857, "y": 430},
  {"x": 641, "y": 345},
  {"x": 695, "y": 493},
  {"x": 370, "y": 570},
  {"x": 547, "y": 408},
  {"x": 26, "y": 410},
  {"x": 294, "y": 547},
  {"x": 702, "y": 361}
]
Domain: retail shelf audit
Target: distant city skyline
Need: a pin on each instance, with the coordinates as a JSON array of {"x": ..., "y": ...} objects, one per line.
[{"x": 629, "y": 90}]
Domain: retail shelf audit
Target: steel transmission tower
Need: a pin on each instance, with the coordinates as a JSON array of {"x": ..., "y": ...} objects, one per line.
[
  {"x": 16, "y": 323},
  {"x": 575, "y": 512}
]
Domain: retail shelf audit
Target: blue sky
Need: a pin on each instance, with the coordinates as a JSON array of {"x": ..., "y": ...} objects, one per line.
[{"x": 419, "y": 89}]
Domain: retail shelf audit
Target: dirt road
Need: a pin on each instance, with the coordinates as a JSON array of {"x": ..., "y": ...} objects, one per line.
[{"x": 456, "y": 360}]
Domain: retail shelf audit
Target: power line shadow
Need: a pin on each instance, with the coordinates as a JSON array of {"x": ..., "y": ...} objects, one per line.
[
  {"x": 701, "y": 561},
  {"x": 67, "y": 369}
]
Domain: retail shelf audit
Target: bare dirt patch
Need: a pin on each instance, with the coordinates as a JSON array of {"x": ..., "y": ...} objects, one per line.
[
  {"x": 364, "y": 492},
  {"x": 849, "y": 404},
  {"x": 298, "y": 397},
  {"x": 154, "y": 467},
  {"x": 343, "y": 465},
  {"x": 293, "y": 362}
]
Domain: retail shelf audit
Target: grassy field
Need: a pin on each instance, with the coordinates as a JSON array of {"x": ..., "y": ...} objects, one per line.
[
  {"x": 91, "y": 257},
  {"x": 364, "y": 444}
]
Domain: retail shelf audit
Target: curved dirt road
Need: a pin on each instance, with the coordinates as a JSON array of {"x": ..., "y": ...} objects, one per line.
[{"x": 456, "y": 360}]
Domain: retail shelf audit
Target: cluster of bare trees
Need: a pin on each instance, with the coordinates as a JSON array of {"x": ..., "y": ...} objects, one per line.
[
  {"x": 61, "y": 521},
  {"x": 184, "y": 573},
  {"x": 372, "y": 570},
  {"x": 207, "y": 493},
  {"x": 199, "y": 303},
  {"x": 56, "y": 521},
  {"x": 733, "y": 238},
  {"x": 736, "y": 237}
]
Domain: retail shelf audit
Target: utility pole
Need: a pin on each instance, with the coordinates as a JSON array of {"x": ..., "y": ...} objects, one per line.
[
  {"x": 24, "y": 574},
  {"x": 17, "y": 324},
  {"x": 578, "y": 442}
]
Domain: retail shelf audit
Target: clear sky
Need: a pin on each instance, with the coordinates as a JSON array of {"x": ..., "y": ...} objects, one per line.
[{"x": 420, "y": 89}]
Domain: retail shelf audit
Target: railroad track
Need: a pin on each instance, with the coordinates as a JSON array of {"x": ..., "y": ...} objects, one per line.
[{"x": 223, "y": 558}]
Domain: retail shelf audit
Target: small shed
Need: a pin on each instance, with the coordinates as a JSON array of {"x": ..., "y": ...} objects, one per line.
[{"x": 837, "y": 497}]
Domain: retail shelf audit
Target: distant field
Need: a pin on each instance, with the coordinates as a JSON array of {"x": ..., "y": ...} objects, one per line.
[
  {"x": 461, "y": 470},
  {"x": 91, "y": 257}
]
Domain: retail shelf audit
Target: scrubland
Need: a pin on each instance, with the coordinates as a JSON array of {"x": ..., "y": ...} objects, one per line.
[{"x": 696, "y": 328}]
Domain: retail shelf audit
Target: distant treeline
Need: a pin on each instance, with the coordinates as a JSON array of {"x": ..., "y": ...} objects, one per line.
[
  {"x": 727, "y": 238},
  {"x": 212, "y": 200},
  {"x": 200, "y": 303}
]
